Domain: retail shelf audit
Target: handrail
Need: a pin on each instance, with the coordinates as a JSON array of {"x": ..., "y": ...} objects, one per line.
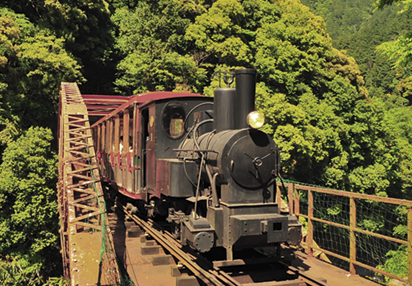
[{"x": 295, "y": 205}]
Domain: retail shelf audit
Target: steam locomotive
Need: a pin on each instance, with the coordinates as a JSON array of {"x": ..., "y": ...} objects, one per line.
[{"x": 200, "y": 163}]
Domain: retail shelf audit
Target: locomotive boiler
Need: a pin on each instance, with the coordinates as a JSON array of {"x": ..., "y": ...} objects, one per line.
[{"x": 199, "y": 163}]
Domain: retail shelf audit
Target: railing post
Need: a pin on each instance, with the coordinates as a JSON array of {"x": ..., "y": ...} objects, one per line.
[
  {"x": 278, "y": 195},
  {"x": 296, "y": 202},
  {"x": 290, "y": 198},
  {"x": 410, "y": 245},
  {"x": 310, "y": 223},
  {"x": 352, "y": 225}
]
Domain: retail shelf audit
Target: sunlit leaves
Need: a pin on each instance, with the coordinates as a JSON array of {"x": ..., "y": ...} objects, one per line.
[
  {"x": 27, "y": 196},
  {"x": 401, "y": 48},
  {"x": 47, "y": 61},
  {"x": 218, "y": 31},
  {"x": 152, "y": 41},
  {"x": 380, "y": 4},
  {"x": 295, "y": 55},
  {"x": 19, "y": 271},
  {"x": 142, "y": 72},
  {"x": 396, "y": 263},
  {"x": 34, "y": 64},
  {"x": 8, "y": 31},
  {"x": 371, "y": 177}
]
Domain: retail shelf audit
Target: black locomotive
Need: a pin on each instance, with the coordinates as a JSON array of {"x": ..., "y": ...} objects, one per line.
[{"x": 198, "y": 163}]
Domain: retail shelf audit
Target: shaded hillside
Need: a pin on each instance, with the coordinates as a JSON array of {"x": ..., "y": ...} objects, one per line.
[
  {"x": 343, "y": 17},
  {"x": 355, "y": 27}
]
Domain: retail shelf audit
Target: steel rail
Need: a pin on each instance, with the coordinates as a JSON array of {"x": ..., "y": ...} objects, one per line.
[
  {"x": 212, "y": 276},
  {"x": 208, "y": 277}
]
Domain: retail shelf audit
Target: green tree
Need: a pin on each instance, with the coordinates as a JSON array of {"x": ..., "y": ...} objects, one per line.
[
  {"x": 20, "y": 272},
  {"x": 32, "y": 65},
  {"x": 219, "y": 33},
  {"x": 8, "y": 33},
  {"x": 369, "y": 29},
  {"x": 380, "y": 77},
  {"x": 343, "y": 17},
  {"x": 28, "y": 204},
  {"x": 86, "y": 27},
  {"x": 13, "y": 272},
  {"x": 156, "y": 56},
  {"x": 400, "y": 49},
  {"x": 382, "y": 3}
]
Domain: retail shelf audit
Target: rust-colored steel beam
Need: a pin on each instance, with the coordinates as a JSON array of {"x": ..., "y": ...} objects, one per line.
[
  {"x": 84, "y": 232},
  {"x": 102, "y": 105}
]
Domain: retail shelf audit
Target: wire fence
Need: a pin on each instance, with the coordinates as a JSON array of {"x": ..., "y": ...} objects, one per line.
[{"x": 363, "y": 234}]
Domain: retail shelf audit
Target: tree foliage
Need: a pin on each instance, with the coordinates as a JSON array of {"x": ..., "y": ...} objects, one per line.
[
  {"x": 32, "y": 65},
  {"x": 86, "y": 28},
  {"x": 359, "y": 28},
  {"x": 343, "y": 17},
  {"x": 21, "y": 272},
  {"x": 151, "y": 38},
  {"x": 401, "y": 48},
  {"x": 396, "y": 263},
  {"x": 29, "y": 216},
  {"x": 380, "y": 4}
]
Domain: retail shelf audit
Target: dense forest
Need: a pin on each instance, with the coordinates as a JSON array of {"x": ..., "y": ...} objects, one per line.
[{"x": 333, "y": 81}]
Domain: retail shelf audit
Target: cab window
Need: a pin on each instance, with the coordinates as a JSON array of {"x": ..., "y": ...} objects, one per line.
[{"x": 173, "y": 119}]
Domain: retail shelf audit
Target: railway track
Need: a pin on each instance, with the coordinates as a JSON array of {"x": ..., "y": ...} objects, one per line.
[{"x": 225, "y": 274}]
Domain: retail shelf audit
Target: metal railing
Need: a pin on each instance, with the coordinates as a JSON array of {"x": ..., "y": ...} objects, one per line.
[{"x": 340, "y": 215}]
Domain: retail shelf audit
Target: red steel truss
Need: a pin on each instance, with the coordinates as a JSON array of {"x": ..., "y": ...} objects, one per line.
[{"x": 87, "y": 250}]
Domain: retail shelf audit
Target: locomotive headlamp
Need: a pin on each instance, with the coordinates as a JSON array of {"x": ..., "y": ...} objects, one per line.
[{"x": 255, "y": 119}]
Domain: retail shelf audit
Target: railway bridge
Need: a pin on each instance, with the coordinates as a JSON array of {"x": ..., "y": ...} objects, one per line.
[{"x": 340, "y": 228}]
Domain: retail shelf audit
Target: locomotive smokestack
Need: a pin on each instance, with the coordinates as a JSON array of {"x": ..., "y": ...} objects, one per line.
[
  {"x": 224, "y": 109},
  {"x": 245, "y": 90}
]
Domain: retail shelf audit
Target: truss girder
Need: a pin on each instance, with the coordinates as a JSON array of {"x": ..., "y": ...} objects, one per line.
[{"x": 80, "y": 197}]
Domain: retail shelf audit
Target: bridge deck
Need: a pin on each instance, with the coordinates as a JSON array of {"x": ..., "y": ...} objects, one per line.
[{"x": 334, "y": 276}]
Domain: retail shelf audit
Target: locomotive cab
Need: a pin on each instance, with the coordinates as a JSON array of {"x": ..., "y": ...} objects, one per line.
[{"x": 162, "y": 131}]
